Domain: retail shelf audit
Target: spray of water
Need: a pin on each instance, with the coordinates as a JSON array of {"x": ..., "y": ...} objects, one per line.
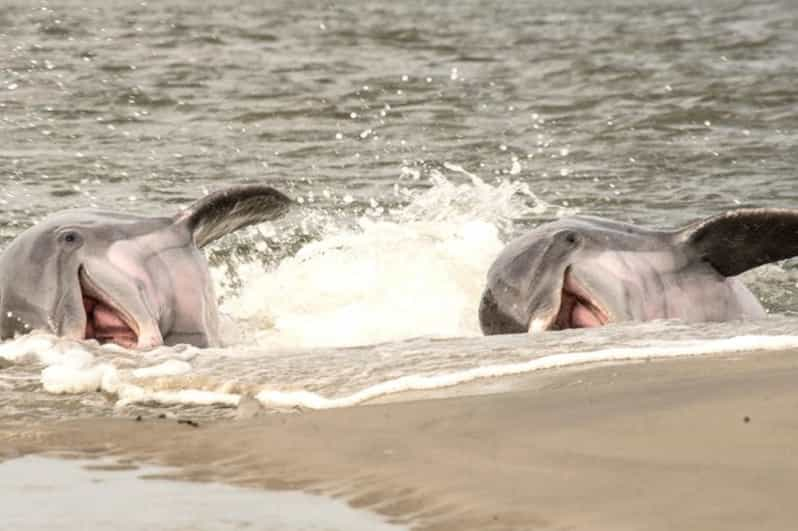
[{"x": 415, "y": 270}]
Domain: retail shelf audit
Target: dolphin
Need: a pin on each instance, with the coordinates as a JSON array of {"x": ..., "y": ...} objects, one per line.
[
  {"x": 136, "y": 281},
  {"x": 582, "y": 271}
]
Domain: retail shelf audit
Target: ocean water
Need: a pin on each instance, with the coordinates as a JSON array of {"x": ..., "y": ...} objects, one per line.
[{"x": 416, "y": 138}]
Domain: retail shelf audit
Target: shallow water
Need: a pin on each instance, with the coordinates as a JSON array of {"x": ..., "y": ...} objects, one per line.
[
  {"x": 41, "y": 493},
  {"x": 418, "y": 137}
]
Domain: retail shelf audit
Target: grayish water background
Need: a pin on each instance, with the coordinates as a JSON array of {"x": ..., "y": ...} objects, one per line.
[
  {"x": 655, "y": 114},
  {"x": 668, "y": 112}
]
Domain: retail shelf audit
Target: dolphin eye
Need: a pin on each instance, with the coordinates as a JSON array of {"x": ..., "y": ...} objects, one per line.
[
  {"x": 571, "y": 237},
  {"x": 71, "y": 237}
]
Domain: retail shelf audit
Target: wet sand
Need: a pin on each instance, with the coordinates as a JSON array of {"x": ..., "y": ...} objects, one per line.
[{"x": 705, "y": 443}]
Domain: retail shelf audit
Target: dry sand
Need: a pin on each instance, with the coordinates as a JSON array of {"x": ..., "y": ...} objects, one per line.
[{"x": 706, "y": 443}]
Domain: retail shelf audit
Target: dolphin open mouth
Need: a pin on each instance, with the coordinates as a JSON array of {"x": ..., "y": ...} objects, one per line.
[
  {"x": 106, "y": 321},
  {"x": 578, "y": 308}
]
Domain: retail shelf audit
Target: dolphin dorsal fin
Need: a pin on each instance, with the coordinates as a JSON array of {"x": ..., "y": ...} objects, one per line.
[
  {"x": 743, "y": 239},
  {"x": 230, "y": 209}
]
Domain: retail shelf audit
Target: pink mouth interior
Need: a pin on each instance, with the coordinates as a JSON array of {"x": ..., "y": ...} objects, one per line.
[
  {"x": 106, "y": 325},
  {"x": 577, "y": 309}
]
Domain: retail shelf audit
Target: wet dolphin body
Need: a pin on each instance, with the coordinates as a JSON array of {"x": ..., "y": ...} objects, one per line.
[
  {"x": 584, "y": 272},
  {"x": 132, "y": 280}
]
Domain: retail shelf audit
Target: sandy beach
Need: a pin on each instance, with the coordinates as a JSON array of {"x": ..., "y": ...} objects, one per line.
[{"x": 705, "y": 443}]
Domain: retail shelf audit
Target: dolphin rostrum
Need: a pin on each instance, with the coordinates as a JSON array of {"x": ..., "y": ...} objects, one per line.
[
  {"x": 136, "y": 281},
  {"x": 582, "y": 271}
]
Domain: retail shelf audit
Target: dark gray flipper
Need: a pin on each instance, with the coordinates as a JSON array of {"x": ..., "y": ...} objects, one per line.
[
  {"x": 740, "y": 240},
  {"x": 230, "y": 209}
]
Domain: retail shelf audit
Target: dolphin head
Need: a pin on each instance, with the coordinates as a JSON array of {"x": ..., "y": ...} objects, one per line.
[
  {"x": 584, "y": 271},
  {"x": 67, "y": 276},
  {"x": 578, "y": 272},
  {"x": 534, "y": 286},
  {"x": 133, "y": 280}
]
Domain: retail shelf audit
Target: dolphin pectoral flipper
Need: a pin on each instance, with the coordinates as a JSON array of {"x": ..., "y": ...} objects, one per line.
[
  {"x": 740, "y": 240},
  {"x": 230, "y": 209}
]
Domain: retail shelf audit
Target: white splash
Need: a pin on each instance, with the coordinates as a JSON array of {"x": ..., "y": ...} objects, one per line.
[
  {"x": 415, "y": 271},
  {"x": 385, "y": 281}
]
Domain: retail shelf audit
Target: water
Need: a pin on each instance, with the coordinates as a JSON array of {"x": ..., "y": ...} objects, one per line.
[
  {"x": 418, "y": 138},
  {"x": 44, "y": 493}
]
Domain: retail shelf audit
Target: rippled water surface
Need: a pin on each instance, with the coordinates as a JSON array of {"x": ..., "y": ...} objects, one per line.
[{"x": 418, "y": 136}]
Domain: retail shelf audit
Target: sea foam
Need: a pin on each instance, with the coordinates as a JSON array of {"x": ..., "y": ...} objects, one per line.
[{"x": 427, "y": 382}]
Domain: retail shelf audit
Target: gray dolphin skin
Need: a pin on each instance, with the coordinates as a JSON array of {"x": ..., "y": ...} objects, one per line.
[
  {"x": 583, "y": 272},
  {"x": 136, "y": 281}
]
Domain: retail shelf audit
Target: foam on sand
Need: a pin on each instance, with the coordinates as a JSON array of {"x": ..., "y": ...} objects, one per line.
[
  {"x": 423, "y": 383},
  {"x": 72, "y": 369}
]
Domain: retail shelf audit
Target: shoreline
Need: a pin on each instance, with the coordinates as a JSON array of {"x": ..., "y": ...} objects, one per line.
[{"x": 697, "y": 443}]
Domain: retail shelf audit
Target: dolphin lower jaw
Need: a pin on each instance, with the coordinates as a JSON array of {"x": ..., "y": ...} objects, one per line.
[{"x": 108, "y": 321}]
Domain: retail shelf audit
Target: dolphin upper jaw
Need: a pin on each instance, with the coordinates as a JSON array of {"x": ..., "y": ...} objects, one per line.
[{"x": 68, "y": 318}]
